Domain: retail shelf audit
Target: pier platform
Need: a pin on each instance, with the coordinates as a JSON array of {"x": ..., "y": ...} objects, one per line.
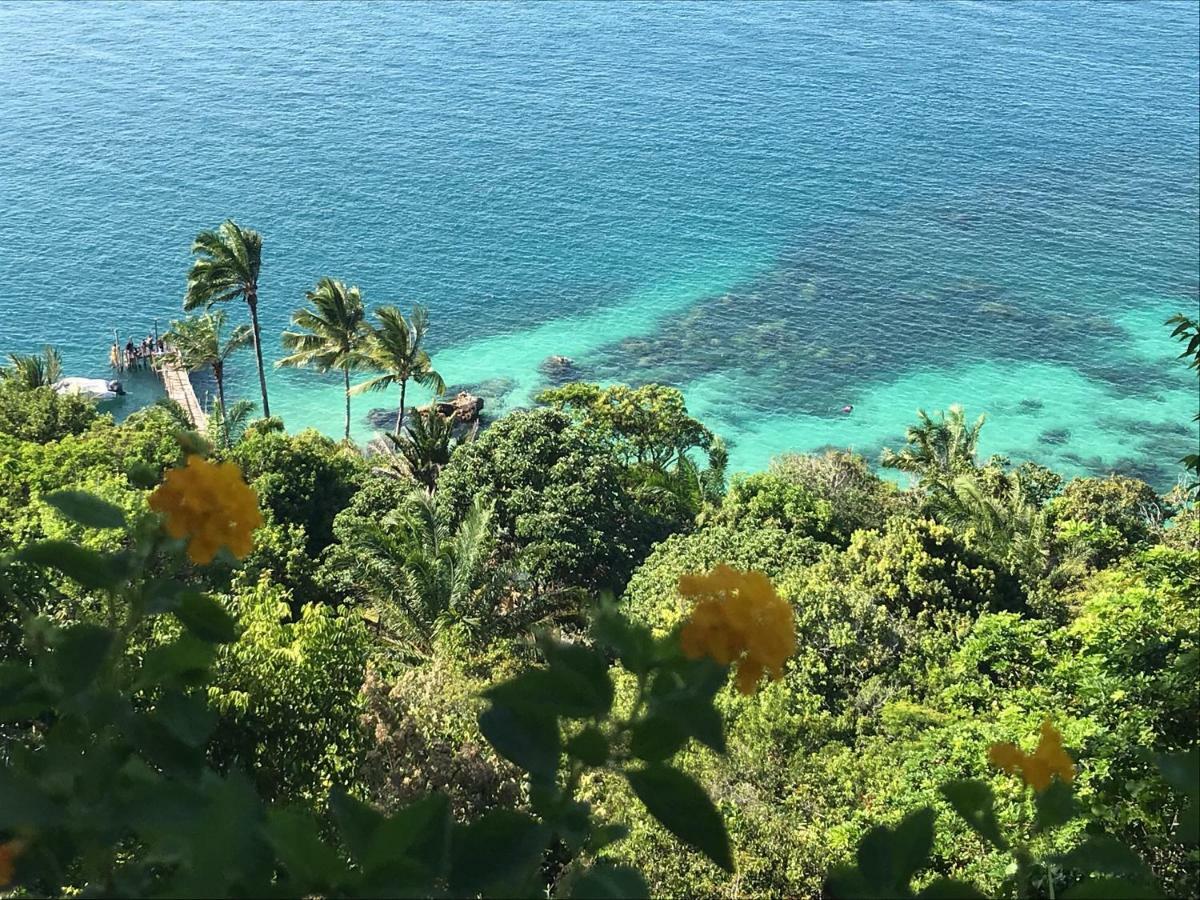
[{"x": 179, "y": 388}]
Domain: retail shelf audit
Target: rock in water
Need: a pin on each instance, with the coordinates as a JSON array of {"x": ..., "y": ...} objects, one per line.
[{"x": 464, "y": 407}]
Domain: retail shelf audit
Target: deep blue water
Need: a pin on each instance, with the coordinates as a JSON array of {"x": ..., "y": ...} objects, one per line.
[{"x": 781, "y": 208}]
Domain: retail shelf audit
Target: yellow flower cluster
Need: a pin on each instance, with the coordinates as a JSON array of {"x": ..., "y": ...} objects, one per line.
[
  {"x": 738, "y": 618},
  {"x": 211, "y": 505},
  {"x": 1037, "y": 768}
]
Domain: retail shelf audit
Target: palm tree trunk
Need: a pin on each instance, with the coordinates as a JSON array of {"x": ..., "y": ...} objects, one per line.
[
  {"x": 252, "y": 302},
  {"x": 346, "y": 374},
  {"x": 400, "y": 414},
  {"x": 219, "y": 375}
]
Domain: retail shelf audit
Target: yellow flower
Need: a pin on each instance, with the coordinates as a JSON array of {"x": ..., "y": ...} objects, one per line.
[
  {"x": 1037, "y": 768},
  {"x": 8, "y": 853},
  {"x": 211, "y": 505},
  {"x": 740, "y": 619}
]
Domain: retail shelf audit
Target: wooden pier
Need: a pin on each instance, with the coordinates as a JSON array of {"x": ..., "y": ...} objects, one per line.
[{"x": 179, "y": 388}]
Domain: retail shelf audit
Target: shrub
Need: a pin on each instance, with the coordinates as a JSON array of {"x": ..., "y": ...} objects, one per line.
[
  {"x": 559, "y": 506},
  {"x": 304, "y": 479}
]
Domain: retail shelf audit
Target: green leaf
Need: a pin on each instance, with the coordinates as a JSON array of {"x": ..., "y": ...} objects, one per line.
[
  {"x": 143, "y": 475},
  {"x": 1181, "y": 771},
  {"x": 975, "y": 803},
  {"x": 585, "y": 672},
  {"x": 523, "y": 737},
  {"x": 356, "y": 822},
  {"x": 86, "y": 509},
  {"x": 606, "y": 835},
  {"x": 22, "y": 693},
  {"x": 889, "y": 857},
  {"x": 206, "y": 618},
  {"x": 1102, "y": 854},
  {"x": 633, "y": 644},
  {"x": 79, "y": 655},
  {"x": 419, "y": 831},
  {"x": 185, "y": 661},
  {"x": 186, "y": 716},
  {"x": 1111, "y": 889},
  {"x": 499, "y": 853},
  {"x": 24, "y": 805},
  {"x": 93, "y": 570},
  {"x": 543, "y": 692},
  {"x": 684, "y": 809},
  {"x": 606, "y": 881},
  {"x": 311, "y": 863},
  {"x": 1055, "y": 805},
  {"x": 656, "y": 738},
  {"x": 950, "y": 889},
  {"x": 590, "y": 747}
]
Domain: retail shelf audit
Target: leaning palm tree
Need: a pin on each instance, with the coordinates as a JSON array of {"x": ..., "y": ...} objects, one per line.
[
  {"x": 196, "y": 343},
  {"x": 395, "y": 349},
  {"x": 227, "y": 264},
  {"x": 34, "y": 370},
  {"x": 333, "y": 334},
  {"x": 938, "y": 449}
]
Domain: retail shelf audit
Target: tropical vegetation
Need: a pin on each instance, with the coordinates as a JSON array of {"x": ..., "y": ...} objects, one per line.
[{"x": 571, "y": 655}]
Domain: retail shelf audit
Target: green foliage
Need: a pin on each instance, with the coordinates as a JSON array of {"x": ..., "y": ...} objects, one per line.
[
  {"x": 33, "y": 370},
  {"x": 857, "y": 498},
  {"x": 109, "y": 792},
  {"x": 654, "y": 438},
  {"x": 772, "y": 501},
  {"x": 560, "y": 509},
  {"x": 423, "y": 448},
  {"x": 921, "y": 565},
  {"x": 304, "y": 479},
  {"x": 41, "y": 415},
  {"x": 287, "y": 695},
  {"x": 1101, "y": 520},
  {"x": 938, "y": 449},
  {"x": 426, "y": 577},
  {"x": 423, "y": 737},
  {"x": 647, "y": 425}
]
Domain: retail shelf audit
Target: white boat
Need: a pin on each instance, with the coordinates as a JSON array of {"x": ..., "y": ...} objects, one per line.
[{"x": 96, "y": 388}]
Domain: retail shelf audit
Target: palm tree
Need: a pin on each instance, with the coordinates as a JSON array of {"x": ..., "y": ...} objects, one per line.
[
  {"x": 226, "y": 428},
  {"x": 34, "y": 370},
  {"x": 425, "y": 447},
  {"x": 196, "y": 343},
  {"x": 227, "y": 264},
  {"x": 426, "y": 575},
  {"x": 1001, "y": 520},
  {"x": 938, "y": 450},
  {"x": 395, "y": 348},
  {"x": 334, "y": 333}
]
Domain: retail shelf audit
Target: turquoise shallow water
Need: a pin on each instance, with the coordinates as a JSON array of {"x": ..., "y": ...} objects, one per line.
[{"x": 782, "y": 209}]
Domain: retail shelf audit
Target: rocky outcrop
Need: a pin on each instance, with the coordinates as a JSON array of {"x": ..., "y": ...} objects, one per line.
[
  {"x": 559, "y": 370},
  {"x": 465, "y": 407}
]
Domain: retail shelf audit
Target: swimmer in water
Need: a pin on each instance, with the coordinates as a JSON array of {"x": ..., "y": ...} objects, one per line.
[{"x": 847, "y": 408}]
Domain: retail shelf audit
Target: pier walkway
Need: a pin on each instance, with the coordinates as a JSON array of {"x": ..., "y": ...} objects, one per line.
[{"x": 179, "y": 388}]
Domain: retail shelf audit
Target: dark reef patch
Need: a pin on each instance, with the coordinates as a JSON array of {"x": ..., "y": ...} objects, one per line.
[{"x": 1055, "y": 436}]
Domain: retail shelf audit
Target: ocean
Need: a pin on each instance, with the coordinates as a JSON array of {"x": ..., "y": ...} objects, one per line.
[{"x": 781, "y": 208}]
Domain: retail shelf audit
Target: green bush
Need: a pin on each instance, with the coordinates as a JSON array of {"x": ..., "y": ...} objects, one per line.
[
  {"x": 287, "y": 695},
  {"x": 304, "y": 479},
  {"x": 560, "y": 508}
]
